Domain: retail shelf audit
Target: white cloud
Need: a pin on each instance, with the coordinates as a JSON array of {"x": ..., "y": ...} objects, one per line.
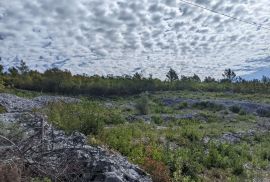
[{"x": 120, "y": 36}]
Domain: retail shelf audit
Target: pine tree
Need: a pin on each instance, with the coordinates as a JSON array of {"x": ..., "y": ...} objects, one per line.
[
  {"x": 23, "y": 68},
  {"x": 229, "y": 75},
  {"x": 172, "y": 75}
]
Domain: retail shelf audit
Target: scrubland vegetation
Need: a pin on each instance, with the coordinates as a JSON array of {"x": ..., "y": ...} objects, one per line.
[
  {"x": 180, "y": 141},
  {"x": 173, "y": 149}
]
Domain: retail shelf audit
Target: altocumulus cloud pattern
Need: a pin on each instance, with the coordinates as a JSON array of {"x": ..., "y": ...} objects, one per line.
[{"x": 127, "y": 36}]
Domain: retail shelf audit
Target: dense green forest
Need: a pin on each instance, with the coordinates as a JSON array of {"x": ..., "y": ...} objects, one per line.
[{"x": 63, "y": 82}]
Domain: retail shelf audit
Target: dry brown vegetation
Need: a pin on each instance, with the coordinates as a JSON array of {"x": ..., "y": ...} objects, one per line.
[{"x": 10, "y": 172}]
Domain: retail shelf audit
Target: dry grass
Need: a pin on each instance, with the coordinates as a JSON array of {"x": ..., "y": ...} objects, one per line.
[{"x": 10, "y": 172}]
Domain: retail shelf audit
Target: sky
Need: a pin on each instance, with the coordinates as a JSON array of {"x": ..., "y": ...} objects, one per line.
[{"x": 126, "y": 36}]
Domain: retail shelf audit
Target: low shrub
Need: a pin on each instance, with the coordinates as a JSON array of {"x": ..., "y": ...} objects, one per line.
[
  {"x": 158, "y": 170},
  {"x": 214, "y": 159},
  {"x": 2, "y": 109},
  {"x": 242, "y": 112},
  {"x": 10, "y": 172},
  {"x": 182, "y": 105},
  {"x": 142, "y": 105},
  {"x": 208, "y": 105},
  {"x": 265, "y": 155},
  {"x": 263, "y": 112},
  {"x": 157, "y": 120},
  {"x": 191, "y": 134},
  {"x": 238, "y": 169},
  {"x": 235, "y": 109}
]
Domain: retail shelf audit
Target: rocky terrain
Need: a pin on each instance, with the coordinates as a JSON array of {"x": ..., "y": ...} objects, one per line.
[
  {"x": 259, "y": 110},
  {"x": 247, "y": 106},
  {"x": 37, "y": 149}
]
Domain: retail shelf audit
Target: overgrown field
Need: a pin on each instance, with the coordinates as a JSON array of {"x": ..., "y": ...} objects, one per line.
[{"x": 178, "y": 136}]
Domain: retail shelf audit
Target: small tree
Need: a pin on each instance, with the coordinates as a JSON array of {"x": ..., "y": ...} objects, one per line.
[
  {"x": 172, "y": 75},
  {"x": 265, "y": 80},
  {"x": 23, "y": 68},
  {"x": 13, "y": 71},
  {"x": 137, "y": 76},
  {"x": 1, "y": 69},
  {"x": 196, "y": 78},
  {"x": 209, "y": 79},
  {"x": 229, "y": 75}
]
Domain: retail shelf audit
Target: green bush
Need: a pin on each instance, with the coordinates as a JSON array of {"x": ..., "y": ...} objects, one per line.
[
  {"x": 265, "y": 155},
  {"x": 2, "y": 109},
  {"x": 157, "y": 120},
  {"x": 215, "y": 159},
  {"x": 238, "y": 168},
  {"x": 242, "y": 112},
  {"x": 161, "y": 109},
  {"x": 142, "y": 105},
  {"x": 182, "y": 105},
  {"x": 191, "y": 134},
  {"x": 208, "y": 105},
  {"x": 235, "y": 109}
]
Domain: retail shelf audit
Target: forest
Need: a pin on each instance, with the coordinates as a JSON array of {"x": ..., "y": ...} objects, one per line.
[{"x": 59, "y": 81}]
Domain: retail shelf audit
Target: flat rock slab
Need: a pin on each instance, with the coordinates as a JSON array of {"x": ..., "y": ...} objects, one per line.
[
  {"x": 43, "y": 100},
  {"x": 14, "y": 103}
]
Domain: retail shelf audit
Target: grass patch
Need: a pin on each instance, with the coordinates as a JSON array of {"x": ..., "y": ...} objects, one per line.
[
  {"x": 182, "y": 105},
  {"x": 192, "y": 159},
  {"x": 87, "y": 117},
  {"x": 2, "y": 109},
  {"x": 24, "y": 93}
]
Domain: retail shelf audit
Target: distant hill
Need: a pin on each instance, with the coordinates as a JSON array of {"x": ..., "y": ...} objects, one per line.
[{"x": 258, "y": 74}]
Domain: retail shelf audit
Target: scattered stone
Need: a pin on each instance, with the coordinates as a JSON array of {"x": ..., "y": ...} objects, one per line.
[
  {"x": 206, "y": 139},
  {"x": 263, "y": 126},
  {"x": 231, "y": 138},
  {"x": 236, "y": 137},
  {"x": 109, "y": 105},
  {"x": 14, "y": 103},
  {"x": 247, "y": 106},
  {"x": 44, "y": 100}
]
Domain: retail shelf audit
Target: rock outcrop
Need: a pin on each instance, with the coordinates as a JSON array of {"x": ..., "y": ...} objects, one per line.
[
  {"x": 14, "y": 103},
  {"x": 249, "y": 107},
  {"x": 47, "y": 151}
]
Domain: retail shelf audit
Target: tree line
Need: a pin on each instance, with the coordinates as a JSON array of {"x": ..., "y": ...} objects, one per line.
[{"x": 59, "y": 81}]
